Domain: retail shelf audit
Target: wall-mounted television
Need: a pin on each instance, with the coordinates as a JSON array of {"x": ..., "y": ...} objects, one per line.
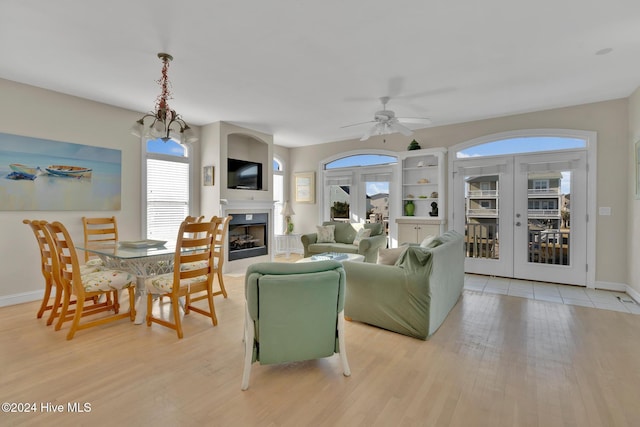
[{"x": 244, "y": 175}]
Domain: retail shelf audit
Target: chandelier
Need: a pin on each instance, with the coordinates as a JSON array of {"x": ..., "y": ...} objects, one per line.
[{"x": 167, "y": 123}]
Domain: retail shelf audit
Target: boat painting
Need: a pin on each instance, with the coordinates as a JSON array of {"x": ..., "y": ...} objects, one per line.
[
  {"x": 20, "y": 171},
  {"x": 69, "y": 171},
  {"x": 56, "y": 190}
]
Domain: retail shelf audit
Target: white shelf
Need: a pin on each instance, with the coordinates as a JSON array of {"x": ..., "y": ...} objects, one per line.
[{"x": 433, "y": 170}]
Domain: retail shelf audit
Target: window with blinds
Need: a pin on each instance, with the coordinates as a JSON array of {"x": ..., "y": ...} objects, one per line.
[{"x": 167, "y": 191}]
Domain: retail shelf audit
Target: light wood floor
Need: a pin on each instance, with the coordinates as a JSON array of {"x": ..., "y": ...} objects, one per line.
[{"x": 497, "y": 360}]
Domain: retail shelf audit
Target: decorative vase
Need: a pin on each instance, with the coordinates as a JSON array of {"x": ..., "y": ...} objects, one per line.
[{"x": 409, "y": 208}]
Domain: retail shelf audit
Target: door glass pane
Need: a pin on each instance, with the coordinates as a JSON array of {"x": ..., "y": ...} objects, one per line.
[
  {"x": 340, "y": 202},
  {"x": 481, "y": 216},
  {"x": 378, "y": 203},
  {"x": 549, "y": 217}
]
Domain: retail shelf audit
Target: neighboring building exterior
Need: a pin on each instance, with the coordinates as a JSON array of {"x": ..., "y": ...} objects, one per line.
[
  {"x": 378, "y": 204},
  {"x": 545, "y": 200}
]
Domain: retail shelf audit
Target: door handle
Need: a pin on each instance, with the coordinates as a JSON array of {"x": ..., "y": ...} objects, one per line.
[{"x": 518, "y": 224}]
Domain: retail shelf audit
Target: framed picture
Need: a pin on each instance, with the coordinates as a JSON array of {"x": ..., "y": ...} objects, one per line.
[
  {"x": 207, "y": 175},
  {"x": 637, "y": 164},
  {"x": 305, "y": 187},
  {"x": 45, "y": 175}
]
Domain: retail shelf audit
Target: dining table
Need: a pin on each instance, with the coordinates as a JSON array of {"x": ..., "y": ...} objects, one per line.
[{"x": 143, "y": 258}]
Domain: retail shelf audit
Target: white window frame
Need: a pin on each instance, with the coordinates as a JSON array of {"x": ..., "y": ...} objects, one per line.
[
  {"x": 143, "y": 184},
  {"x": 278, "y": 220}
]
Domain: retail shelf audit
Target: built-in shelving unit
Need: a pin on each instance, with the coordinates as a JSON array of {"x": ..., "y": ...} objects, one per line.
[{"x": 422, "y": 184}]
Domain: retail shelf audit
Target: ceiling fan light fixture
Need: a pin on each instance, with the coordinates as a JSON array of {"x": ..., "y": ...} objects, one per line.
[
  {"x": 386, "y": 122},
  {"x": 167, "y": 124}
]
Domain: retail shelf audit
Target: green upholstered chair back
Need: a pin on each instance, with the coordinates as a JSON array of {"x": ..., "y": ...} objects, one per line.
[{"x": 294, "y": 308}]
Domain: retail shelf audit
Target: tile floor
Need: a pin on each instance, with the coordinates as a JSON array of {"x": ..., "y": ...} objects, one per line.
[{"x": 561, "y": 294}]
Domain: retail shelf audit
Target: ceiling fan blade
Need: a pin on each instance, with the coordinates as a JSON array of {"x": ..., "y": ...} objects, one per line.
[
  {"x": 416, "y": 120},
  {"x": 397, "y": 127},
  {"x": 370, "y": 132},
  {"x": 357, "y": 124}
]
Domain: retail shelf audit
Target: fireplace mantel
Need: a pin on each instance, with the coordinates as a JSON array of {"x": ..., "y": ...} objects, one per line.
[{"x": 242, "y": 205}]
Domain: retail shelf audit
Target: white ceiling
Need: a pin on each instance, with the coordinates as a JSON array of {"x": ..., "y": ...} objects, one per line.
[{"x": 301, "y": 69}]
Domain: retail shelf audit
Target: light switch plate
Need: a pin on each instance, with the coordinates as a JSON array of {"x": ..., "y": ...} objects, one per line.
[{"x": 604, "y": 211}]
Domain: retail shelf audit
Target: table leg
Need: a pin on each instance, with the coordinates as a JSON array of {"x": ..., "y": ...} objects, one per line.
[{"x": 141, "y": 302}]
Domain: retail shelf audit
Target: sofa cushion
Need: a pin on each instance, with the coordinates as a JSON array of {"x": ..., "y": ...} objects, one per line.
[
  {"x": 426, "y": 241},
  {"x": 391, "y": 255},
  {"x": 326, "y": 233},
  {"x": 318, "y": 248},
  {"x": 361, "y": 234},
  {"x": 345, "y": 232}
]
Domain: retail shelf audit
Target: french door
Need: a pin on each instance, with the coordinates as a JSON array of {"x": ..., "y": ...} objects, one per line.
[{"x": 524, "y": 216}]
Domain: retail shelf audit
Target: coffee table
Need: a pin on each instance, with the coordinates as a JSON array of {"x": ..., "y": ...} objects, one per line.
[{"x": 350, "y": 257}]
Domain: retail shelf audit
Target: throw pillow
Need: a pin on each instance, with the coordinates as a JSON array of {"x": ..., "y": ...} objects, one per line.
[
  {"x": 426, "y": 241},
  {"x": 361, "y": 234},
  {"x": 391, "y": 255},
  {"x": 325, "y": 233}
]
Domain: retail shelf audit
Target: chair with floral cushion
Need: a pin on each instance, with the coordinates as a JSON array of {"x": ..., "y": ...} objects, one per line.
[
  {"x": 87, "y": 286},
  {"x": 47, "y": 256},
  {"x": 192, "y": 273}
]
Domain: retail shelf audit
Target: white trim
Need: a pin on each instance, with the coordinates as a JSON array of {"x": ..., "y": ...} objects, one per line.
[
  {"x": 523, "y": 133},
  {"x": 323, "y": 208},
  {"x": 21, "y": 298},
  {"x": 611, "y": 286},
  {"x": 633, "y": 293}
]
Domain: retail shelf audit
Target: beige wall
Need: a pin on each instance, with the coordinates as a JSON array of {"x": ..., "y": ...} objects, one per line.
[
  {"x": 30, "y": 111},
  {"x": 609, "y": 119},
  {"x": 633, "y": 252}
]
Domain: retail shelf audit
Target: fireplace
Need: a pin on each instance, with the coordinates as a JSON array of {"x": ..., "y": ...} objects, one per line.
[{"x": 248, "y": 235}]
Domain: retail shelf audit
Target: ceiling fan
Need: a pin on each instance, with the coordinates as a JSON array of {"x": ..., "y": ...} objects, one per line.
[{"x": 386, "y": 122}]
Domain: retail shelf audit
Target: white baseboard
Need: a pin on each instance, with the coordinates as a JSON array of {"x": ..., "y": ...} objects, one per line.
[
  {"x": 21, "y": 298},
  {"x": 619, "y": 287},
  {"x": 633, "y": 294},
  {"x": 611, "y": 286}
]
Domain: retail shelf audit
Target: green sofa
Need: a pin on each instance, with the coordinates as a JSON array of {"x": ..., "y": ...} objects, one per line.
[
  {"x": 344, "y": 234},
  {"x": 412, "y": 297}
]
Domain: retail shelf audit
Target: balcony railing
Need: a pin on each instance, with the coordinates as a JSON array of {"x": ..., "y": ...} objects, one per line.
[
  {"x": 483, "y": 193},
  {"x": 482, "y": 212},
  {"x": 543, "y": 192},
  {"x": 543, "y": 213}
]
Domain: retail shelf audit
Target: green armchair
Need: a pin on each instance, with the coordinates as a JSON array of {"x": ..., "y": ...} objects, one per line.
[
  {"x": 344, "y": 236},
  {"x": 294, "y": 312}
]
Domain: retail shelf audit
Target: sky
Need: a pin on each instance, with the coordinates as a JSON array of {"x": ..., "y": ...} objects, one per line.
[{"x": 495, "y": 148}]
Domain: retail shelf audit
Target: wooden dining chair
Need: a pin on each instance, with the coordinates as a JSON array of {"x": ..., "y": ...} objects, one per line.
[
  {"x": 220, "y": 244},
  {"x": 219, "y": 240},
  {"x": 46, "y": 266},
  {"x": 101, "y": 231},
  {"x": 87, "y": 286},
  {"x": 194, "y": 218},
  {"x": 47, "y": 258},
  {"x": 192, "y": 273}
]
